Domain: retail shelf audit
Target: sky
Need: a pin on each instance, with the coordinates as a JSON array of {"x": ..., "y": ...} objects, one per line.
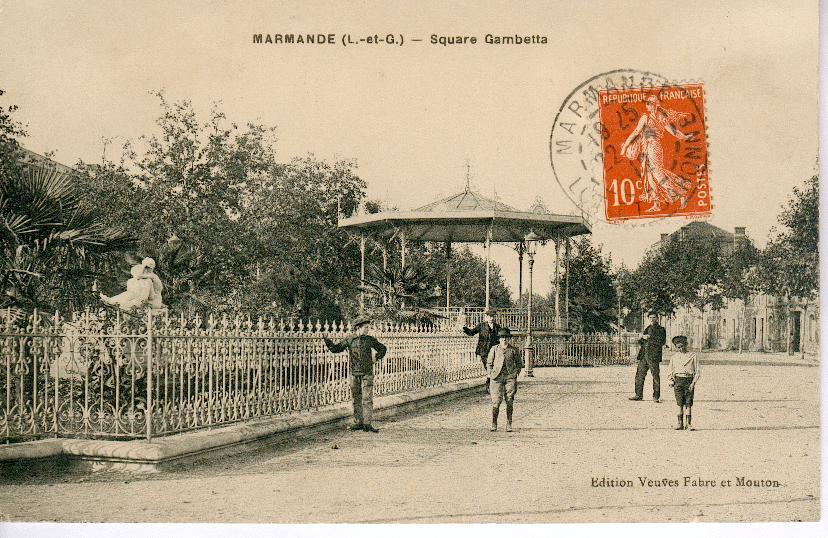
[{"x": 413, "y": 115}]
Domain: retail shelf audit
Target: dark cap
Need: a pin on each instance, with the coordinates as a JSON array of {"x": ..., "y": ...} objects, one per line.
[
  {"x": 504, "y": 332},
  {"x": 679, "y": 338},
  {"x": 490, "y": 312}
]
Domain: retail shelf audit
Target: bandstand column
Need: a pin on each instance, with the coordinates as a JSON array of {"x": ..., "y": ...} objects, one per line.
[
  {"x": 520, "y": 276},
  {"x": 557, "y": 283},
  {"x": 567, "y": 251},
  {"x": 529, "y": 342},
  {"x": 488, "y": 261},
  {"x": 362, "y": 274},
  {"x": 448, "y": 276}
]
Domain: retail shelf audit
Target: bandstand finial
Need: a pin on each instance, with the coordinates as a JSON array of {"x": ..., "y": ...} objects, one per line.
[{"x": 468, "y": 176}]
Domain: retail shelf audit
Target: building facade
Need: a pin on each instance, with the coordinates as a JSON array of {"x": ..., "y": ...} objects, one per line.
[{"x": 765, "y": 323}]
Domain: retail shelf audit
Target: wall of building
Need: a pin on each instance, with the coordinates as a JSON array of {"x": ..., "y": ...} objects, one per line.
[{"x": 762, "y": 324}]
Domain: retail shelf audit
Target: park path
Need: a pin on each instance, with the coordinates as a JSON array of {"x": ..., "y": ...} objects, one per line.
[{"x": 573, "y": 425}]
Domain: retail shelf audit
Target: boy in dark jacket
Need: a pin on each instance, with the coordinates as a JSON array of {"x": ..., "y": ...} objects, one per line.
[{"x": 360, "y": 348}]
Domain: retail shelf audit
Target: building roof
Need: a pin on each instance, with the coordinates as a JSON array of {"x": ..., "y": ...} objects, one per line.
[
  {"x": 30, "y": 157},
  {"x": 702, "y": 231}
]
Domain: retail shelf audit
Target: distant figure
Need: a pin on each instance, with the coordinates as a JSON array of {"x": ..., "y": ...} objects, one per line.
[
  {"x": 649, "y": 358},
  {"x": 684, "y": 374},
  {"x": 460, "y": 322},
  {"x": 137, "y": 294},
  {"x": 360, "y": 348},
  {"x": 487, "y": 331},
  {"x": 503, "y": 364}
]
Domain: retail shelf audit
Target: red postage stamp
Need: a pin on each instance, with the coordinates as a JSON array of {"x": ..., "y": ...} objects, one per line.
[{"x": 654, "y": 145}]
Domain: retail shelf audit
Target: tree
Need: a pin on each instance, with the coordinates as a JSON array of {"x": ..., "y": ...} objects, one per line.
[
  {"x": 53, "y": 244},
  {"x": 252, "y": 234},
  {"x": 739, "y": 279},
  {"x": 789, "y": 264},
  {"x": 308, "y": 264},
  {"x": 678, "y": 273},
  {"x": 791, "y": 258},
  {"x": 468, "y": 276},
  {"x": 10, "y": 131},
  {"x": 399, "y": 294},
  {"x": 646, "y": 289},
  {"x": 592, "y": 294}
]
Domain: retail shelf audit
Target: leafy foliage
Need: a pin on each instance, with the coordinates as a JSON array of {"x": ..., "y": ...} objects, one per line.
[
  {"x": 788, "y": 265},
  {"x": 256, "y": 235},
  {"x": 53, "y": 244},
  {"x": 592, "y": 294}
]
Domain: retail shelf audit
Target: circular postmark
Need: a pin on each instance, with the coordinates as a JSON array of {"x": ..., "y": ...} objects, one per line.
[{"x": 631, "y": 145}]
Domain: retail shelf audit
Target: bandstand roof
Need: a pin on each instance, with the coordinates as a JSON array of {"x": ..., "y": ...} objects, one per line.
[{"x": 465, "y": 218}]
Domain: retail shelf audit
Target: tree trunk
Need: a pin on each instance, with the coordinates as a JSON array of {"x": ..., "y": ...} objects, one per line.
[
  {"x": 742, "y": 316},
  {"x": 787, "y": 326}
]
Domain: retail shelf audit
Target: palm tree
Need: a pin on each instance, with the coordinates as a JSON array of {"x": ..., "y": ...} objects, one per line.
[
  {"x": 52, "y": 244},
  {"x": 399, "y": 295}
]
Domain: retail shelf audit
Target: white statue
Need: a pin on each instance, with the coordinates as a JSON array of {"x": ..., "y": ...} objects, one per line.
[
  {"x": 155, "y": 300},
  {"x": 143, "y": 289}
]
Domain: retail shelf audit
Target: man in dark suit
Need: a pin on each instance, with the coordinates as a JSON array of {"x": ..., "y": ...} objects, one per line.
[
  {"x": 487, "y": 337},
  {"x": 649, "y": 358}
]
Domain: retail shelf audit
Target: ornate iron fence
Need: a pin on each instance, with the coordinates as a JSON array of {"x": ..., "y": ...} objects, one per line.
[
  {"x": 584, "y": 350},
  {"x": 97, "y": 377}
]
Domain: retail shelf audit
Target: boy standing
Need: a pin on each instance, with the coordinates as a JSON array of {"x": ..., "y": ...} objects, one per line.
[
  {"x": 684, "y": 373},
  {"x": 504, "y": 363},
  {"x": 360, "y": 348}
]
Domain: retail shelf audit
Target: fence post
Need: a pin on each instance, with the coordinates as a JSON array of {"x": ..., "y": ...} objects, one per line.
[{"x": 149, "y": 376}]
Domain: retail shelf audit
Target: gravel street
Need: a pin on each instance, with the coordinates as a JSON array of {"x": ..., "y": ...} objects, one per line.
[{"x": 579, "y": 453}]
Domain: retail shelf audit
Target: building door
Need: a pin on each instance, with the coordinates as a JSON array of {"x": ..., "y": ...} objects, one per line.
[
  {"x": 762, "y": 332},
  {"x": 796, "y": 330}
]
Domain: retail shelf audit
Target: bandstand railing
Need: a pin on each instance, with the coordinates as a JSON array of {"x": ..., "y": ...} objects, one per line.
[
  {"x": 516, "y": 319},
  {"x": 98, "y": 376}
]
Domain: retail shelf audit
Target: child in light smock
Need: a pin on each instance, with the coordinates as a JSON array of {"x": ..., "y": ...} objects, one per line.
[{"x": 684, "y": 374}]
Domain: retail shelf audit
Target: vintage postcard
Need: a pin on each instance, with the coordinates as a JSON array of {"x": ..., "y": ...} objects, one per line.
[{"x": 293, "y": 262}]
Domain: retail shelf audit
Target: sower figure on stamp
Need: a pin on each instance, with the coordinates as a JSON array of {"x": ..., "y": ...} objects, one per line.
[
  {"x": 644, "y": 143},
  {"x": 360, "y": 348},
  {"x": 684, "y": 374},
  {"x": 504, "y": 363},
  {"x": 649, "y": 358},
  {"x": 487, "y": 331}
]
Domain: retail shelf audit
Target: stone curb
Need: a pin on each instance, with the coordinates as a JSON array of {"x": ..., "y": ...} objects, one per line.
[{"x": 141, "y": 455}]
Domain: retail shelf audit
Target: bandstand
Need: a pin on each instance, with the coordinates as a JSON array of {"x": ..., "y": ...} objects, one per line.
[{"x": 469, "y": 217}]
